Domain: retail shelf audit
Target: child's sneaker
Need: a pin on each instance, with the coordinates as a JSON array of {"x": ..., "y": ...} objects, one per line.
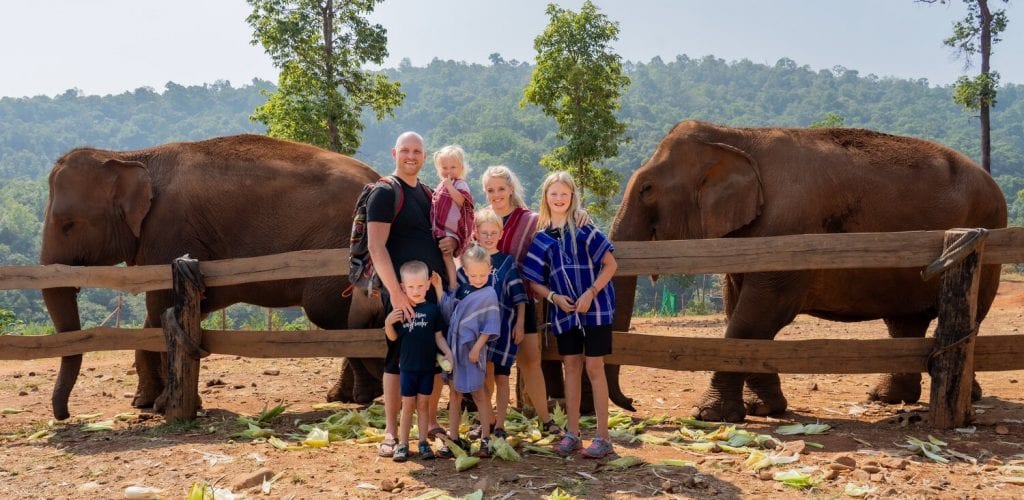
[
  {"x": 599, "y": 448},
  {"x": 425, "y": 452},
  {"x": 444, "y": 452},
  {"x": 499, "y": 433},
  {"x": 485, "y": 448},
  {"x": 568, "y": 445},
  {"x": 401, "y": 453}
]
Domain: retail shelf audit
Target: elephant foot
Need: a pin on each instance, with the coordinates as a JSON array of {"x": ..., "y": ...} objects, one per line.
[
  {"x": 712, "y": 408},
  {"x": 975, "y": 391},
  {"x": 763, "y": 396},
  {"x": 146, "y": 398},
  {"x": 368, "y": 383},
  {"x": 365, "y": 392},
  {"x": 897, "y": 388},
  {"x": 343, "y": 388}
]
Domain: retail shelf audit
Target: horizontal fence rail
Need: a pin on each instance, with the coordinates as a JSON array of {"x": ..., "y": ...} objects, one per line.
[
  {"x": 883, "y": 355},
  {"x": 733, "y": 255}
]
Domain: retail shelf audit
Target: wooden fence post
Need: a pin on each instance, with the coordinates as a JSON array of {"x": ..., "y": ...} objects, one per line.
[
  {"x": 183, "y": 334},
  {"x": 951, "y": 362}
]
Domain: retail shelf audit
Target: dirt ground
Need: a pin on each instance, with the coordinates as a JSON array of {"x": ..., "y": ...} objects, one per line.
[{"x": 143, "y": 451}]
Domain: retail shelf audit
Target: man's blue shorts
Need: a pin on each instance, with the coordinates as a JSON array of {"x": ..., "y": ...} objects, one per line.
[{"x": 416, "y": 383}]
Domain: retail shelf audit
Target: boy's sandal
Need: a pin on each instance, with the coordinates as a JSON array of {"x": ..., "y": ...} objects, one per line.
[
  {"x": 387, "y": 447},
  {"x": 437, "y": 432},
  {"x": 499, "y": 433},
  {"x": 444, "y": 452},
  {"x": 551, "y": 427}
]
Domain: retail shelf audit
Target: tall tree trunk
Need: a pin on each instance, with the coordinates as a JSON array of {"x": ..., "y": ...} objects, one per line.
[
  {"x": 332, "y": 122},
  {"x": 986, "y": 51}
]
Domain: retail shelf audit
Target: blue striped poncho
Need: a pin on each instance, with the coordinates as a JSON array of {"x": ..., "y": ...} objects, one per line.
[
  {"x": 471, "y": 312},
  {"x": 511, "y": 292}
]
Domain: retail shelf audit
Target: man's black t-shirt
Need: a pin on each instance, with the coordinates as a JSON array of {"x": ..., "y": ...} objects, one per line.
[
  {"x": 419, "y": 345},
  {"x": 410, "y": 237}
]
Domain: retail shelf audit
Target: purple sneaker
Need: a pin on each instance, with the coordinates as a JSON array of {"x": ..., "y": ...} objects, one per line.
[
  {"x": 568, "y": 445},
  {"x": 599, "y": 448}
]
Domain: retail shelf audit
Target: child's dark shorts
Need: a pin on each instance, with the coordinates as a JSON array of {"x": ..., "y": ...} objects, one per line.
[
  {"x": 596, "y": 342},
  {"x": 502, "y": 369},
  {"x": 415, "y": 383}
]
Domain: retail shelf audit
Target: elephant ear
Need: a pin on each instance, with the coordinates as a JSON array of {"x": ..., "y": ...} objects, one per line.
[
  {"x": 133, "y": 192},
  {"x": 731, "y": 194}
]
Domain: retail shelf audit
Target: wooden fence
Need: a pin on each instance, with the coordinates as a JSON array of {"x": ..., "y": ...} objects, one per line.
[{"x": 799, "y": 252}]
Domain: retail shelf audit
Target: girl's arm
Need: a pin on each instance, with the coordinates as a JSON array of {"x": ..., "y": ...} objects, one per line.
[
  {"x": 608, "y": 267},
  {"x": 456, "y": 195}
]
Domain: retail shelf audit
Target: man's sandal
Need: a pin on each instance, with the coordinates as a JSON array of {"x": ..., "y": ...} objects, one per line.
[{"x": 387, "y": 447}]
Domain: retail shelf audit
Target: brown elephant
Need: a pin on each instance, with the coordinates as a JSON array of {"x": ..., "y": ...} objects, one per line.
[
  {"x": 708, "y": 181},
  {"x": 223, "y": 198}
]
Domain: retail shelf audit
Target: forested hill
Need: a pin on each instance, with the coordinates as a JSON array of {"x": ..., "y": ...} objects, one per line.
[{"x": 477, "y": 106}]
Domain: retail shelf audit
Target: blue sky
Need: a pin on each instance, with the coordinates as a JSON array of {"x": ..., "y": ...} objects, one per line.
[{"x": 110, "y": 46}]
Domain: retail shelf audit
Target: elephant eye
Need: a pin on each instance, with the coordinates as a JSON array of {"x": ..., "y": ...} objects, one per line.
[
  {"x": 67, "y": 227},
  {"x": 646, "y": 191}
]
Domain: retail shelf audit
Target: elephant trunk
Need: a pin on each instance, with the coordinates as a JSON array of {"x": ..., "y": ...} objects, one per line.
[
  {"x": 625, "y": 293},
  {"x": 62, "y": 304}
]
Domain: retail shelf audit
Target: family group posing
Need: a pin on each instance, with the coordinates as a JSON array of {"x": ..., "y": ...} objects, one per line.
[{"x": 480, "y": 319}]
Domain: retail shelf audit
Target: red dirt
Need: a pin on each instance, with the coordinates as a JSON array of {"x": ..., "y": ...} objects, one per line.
[{"x": 77, "y": 464}]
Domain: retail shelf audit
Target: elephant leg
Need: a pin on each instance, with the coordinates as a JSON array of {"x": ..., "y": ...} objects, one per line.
[
  {"x": 368, "y": 380},
  {"x": 763, "y": 395},
  {"x": 611, "y": 373},
  {"x": 764, "y": 303},
  {"x": 895, "y": 388},
  {"x": 151, "y": 367},
  {"x": 325, "y": 307},
  {"x": 342, "y": 389},
  {"x": 722, "y": 401}
]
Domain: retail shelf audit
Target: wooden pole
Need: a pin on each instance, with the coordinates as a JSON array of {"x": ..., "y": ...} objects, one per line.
[
  {"x": 951, "y": 362},
  {"x": 184, "y": 338}
]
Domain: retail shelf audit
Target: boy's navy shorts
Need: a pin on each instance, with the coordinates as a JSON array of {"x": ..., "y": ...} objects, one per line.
[{"x": 416, "y": 383}]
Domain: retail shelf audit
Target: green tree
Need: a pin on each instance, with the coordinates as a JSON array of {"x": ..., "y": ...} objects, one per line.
[
  {"x": 975, "y": 35},
  {"x": 321, "y": 47},
  {"x": 579, "y": 82},
  {"x": 830, "y": 120}
]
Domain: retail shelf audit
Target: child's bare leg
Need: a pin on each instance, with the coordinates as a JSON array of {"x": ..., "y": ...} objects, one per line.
[
  {"x": 573, "y": 366},
  {"x": 434, "y": 401},
  {"x": 422, "y": 408},
  {"x": 483, "y": 406},
  {"x": 528, "y": 361},
  {"x": 501, "y": 396},
  {"x": 599, "y": 385},
  {"x": 489, "y": 384},
  {"x": 454, "y": 412},
  {"x": 408, "y": 405}
]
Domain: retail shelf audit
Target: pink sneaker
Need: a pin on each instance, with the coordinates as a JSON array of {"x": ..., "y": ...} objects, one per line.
[{"x": 599, "y": 448}]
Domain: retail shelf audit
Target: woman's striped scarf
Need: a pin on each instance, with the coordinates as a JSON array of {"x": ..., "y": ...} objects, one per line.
[{"x": 516, "y": 236}]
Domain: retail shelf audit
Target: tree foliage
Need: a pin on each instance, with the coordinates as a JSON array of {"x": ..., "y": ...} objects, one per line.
[
  {"x": 973, "y": 36},
  {"x": 477, "y": 106},
  {"x": 579, "y": 82},
  {"x": 321, "y": 47}
]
